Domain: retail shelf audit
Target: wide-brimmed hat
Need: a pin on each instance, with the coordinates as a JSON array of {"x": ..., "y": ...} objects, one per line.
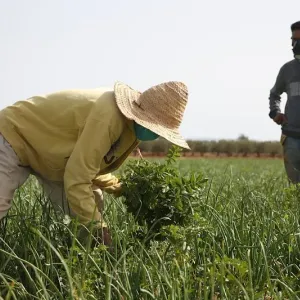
[{"x": 159, "y": 109}]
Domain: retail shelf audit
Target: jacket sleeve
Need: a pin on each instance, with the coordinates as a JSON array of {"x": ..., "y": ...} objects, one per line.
[
  {"x": 275, "y": 94},
  {"x": 84, "y": 165},
  {"x": 108, "y": 183}
]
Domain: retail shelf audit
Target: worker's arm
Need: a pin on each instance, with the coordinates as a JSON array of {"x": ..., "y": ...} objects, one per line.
[
  {"x": 84, "y": 164},
  {"x": 275, "y": 94}
]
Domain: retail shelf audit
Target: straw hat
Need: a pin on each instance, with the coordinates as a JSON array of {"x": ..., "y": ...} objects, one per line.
[{"x": 159, "y": 109}]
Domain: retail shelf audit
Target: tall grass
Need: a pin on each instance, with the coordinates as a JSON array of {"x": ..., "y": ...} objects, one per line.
[{"x": 246, "y": 246}]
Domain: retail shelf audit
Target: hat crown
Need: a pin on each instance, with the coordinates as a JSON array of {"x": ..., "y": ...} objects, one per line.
[
  {"x": 165, "y": 103},
  {"x": 159, "y": 109}
]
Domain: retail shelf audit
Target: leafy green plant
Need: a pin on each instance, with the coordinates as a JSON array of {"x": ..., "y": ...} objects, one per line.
[{"x": 157, "y": 194}]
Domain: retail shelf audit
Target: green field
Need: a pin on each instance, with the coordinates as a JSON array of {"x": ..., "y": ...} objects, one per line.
[{"x": 247, "y": 248}]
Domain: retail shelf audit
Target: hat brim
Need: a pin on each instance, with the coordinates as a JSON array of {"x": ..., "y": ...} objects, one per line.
[{"x": 126, "y": 97}]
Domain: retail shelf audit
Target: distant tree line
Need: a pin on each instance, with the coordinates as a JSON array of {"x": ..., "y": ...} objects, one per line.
[{"x": 240, "y": 147}]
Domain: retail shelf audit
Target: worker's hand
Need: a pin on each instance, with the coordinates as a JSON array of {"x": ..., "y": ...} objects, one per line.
[
  {"x": 280, "y": 119},
  {"x": 102, "y": 236},
  {"x": 98, "y": 236},
  {"x": 118, "y": 192}
]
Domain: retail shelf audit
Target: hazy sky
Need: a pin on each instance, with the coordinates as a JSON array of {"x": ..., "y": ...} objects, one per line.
[{"x": 227, "y": 52}]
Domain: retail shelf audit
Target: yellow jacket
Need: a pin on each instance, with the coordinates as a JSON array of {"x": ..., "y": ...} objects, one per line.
[{"x": 75, "y": 136}]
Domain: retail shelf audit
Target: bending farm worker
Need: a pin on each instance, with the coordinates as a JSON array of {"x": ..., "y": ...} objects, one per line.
[
  {"x": 288, "y": 81},
  {"x": 72, "y": 140}
]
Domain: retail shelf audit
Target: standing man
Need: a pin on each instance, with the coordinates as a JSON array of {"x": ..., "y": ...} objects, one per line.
[{"x": 288, "y": 81}]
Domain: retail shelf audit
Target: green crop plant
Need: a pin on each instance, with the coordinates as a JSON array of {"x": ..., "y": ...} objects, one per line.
[{"x": 159, "y": 197}]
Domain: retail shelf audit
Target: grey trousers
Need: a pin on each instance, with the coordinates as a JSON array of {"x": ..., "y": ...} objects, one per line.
[
  {"x": 13, "y": 176},
  {"x": 291, "y": 149}
]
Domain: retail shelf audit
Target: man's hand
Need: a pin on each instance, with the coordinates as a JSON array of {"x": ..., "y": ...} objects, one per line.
[
  {"x": 103, "y": 236},
  {"x": 118, "y": 192},
  {"x": 98, "y": 236},
  {"x": 280, "y": 119}
]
